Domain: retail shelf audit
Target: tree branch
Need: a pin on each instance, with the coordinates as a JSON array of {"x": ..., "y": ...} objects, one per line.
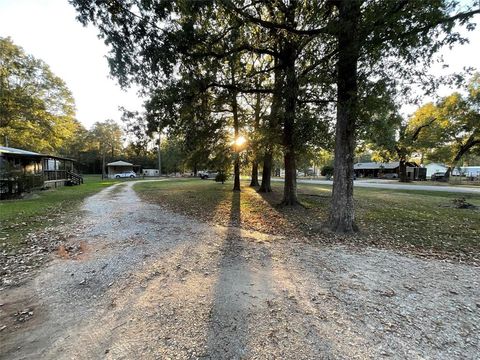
[
  {"x": 417, "y": 131},
  {"x": 428, "y": 27},
  {"x": 318, "y": 101},
  {"x": 276, "y": 26},
  {"x": 243, "y": 47},
  {"x": 239, "y": 89}
]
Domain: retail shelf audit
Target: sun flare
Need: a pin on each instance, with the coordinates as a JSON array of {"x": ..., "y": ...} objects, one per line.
[{"x": 240, "y": 141}]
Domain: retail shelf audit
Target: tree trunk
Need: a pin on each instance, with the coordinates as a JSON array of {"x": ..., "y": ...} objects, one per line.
[
  {"x": 290, "y": 187},
  {"x": 266, "y": 185},
  {"x": 342, "y": 214},
  {"x": 448, "y": 173},
  {"x": 290, "y": 97},
  {"x": 236, "y": 125},
  {"x": 403, "y": 170},
  {"x": 273, "y": 121},
  {"x": 254, "y": 182},
  {"x": 471, "y": 142},
  {"x": 258, "y": 106},
  {"x": 236, "y": 172}
]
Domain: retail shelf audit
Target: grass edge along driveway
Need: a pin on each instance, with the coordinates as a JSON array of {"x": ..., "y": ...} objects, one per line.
[{"x": 40, "y": 209}]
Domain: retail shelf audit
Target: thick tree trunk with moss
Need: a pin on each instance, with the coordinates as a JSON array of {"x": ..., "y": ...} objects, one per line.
[
  {"x": 342, "y": 214},
  {"x": 290, "y": 185}
]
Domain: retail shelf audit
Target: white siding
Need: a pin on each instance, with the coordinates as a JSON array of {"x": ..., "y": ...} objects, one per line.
[{"x": 434, "y": 168}]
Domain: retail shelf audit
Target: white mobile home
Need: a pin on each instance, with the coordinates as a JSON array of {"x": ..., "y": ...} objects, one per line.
[{"x": 433, "y": 168}]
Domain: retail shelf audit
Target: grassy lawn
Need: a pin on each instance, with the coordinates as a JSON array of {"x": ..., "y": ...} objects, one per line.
[
  {"x": 40, "y": 208},
  {"x": 423, "y": 221}
]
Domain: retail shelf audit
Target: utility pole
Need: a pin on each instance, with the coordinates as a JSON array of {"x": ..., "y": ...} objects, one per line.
[
  {"x": 159, "y": 155},
  {"x": 103, "y": 165}
]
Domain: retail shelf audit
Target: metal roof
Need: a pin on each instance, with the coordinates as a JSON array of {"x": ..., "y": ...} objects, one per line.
[
  {"x": 21, "y": 152},
  {"x": 376, "y": 165},
  {"x": 119, "y": 163},
  {"x": 10, "y": 150}
]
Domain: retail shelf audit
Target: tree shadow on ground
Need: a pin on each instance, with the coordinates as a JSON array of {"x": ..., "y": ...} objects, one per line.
[
  {"x": 307, "y": 219},
  {"x": 255, "y": 312},
  {"x": 243, "y": 284}
]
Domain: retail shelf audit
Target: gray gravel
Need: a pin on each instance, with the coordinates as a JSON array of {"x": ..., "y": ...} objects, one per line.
[{"x": 152, "y": 284}]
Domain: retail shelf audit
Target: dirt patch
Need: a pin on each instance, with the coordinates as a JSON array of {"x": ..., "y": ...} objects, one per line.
[{"x": 19, "y": 310}]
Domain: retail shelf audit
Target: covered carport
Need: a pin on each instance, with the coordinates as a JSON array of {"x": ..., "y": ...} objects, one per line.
[{"x": 118, "y": 167}]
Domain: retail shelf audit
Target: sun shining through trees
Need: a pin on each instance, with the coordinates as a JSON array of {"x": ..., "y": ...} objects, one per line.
[{"x": 240, "y": 141}]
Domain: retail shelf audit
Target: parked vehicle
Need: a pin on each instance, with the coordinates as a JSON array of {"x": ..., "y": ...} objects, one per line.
[
  {"x": 126, "y": 174},
  {"x": 390, "y": 176},
  {"x": 207, "y": 174},
  {"x": 438, "y": 176}
]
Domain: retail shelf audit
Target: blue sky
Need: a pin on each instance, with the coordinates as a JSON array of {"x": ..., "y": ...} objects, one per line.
[{"x": 48, "y": 30}]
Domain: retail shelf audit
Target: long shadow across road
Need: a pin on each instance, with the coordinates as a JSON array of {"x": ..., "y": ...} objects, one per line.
[{"x": 242, "y": 290}]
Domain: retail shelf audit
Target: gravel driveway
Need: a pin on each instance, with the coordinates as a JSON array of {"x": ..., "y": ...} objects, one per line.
[{"x": 152, "y": 284}]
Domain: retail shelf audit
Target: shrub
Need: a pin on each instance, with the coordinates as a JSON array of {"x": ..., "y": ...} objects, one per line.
[
  {"x": 327, "y": 170},
  {"x": 221, "y": 177}
]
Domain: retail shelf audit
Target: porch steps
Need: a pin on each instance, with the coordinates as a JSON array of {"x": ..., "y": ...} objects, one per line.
[{"x": 73, "y": 178}]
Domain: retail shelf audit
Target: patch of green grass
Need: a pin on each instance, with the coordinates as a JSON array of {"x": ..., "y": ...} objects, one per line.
[
  {"x": 423, "y": 219},
  {"x": 416, "y": 219},
  {"x": 39, "y": 209}
]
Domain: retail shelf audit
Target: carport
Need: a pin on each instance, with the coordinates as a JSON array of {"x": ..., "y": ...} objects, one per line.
[{"x": 118, "y": 167}]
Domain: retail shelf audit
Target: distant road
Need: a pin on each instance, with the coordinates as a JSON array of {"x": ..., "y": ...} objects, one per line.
[{"x": 397, "y": 186}]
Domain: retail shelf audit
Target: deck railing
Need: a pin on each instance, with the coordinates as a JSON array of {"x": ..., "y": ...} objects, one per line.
[
  {"x": 13, "y": 184},
  {"x": 55, "y": 175}
]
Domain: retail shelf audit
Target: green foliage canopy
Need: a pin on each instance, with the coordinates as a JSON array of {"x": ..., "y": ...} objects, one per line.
[{"x": 37, "y": 110}]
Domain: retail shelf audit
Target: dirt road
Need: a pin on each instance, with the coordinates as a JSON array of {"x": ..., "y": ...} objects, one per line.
[{"x": 156, "y": 285}]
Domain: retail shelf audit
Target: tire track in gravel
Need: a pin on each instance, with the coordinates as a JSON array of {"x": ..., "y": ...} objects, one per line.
[{"x": 157, "y": 285}]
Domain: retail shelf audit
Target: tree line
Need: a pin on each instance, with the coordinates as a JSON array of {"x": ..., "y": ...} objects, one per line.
[{"x": 37, "y": 113}]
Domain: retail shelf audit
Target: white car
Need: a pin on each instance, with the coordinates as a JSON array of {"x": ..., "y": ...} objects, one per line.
[
  {"x": 209, "y": 174},
  {"x": 126, "y": 174}
]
